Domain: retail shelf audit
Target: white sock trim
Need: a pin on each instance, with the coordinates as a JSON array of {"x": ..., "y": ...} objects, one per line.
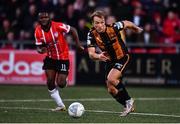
[{"x": 56, "y": 97}]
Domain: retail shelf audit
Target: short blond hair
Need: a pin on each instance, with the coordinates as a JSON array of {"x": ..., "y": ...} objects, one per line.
[{"x": 97, "y": 13}]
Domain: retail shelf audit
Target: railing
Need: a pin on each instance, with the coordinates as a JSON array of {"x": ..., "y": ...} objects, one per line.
[{"x": 30, "y": 44}]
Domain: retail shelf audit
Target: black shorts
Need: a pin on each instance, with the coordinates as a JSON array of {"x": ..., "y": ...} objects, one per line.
[
  {"x": 120, "y": 64},
  {"x": 61, "y": 66}
]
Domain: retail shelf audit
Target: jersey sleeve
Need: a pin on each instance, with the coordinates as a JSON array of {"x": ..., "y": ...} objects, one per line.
[
  {"x": 64, "y": 27},
  {"x": 90, "y": 40},
  {"x": 119, "y": 25},
  {"x": 38, "y": 40}
]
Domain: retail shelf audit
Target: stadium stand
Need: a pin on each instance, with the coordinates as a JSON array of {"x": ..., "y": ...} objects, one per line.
[{"x": 159, "y": 18}]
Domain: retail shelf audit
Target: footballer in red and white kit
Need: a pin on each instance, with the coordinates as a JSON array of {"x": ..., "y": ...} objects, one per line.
[
  {"x": 57, "y": 47},
  {"x": 50, "y": 39}
]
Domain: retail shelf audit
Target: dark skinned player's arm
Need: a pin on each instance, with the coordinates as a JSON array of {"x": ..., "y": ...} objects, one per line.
[{"x": 74, "y": 33}]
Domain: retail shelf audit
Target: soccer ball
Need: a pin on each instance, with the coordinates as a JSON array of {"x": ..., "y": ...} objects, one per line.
[{"x": 76, "y": 110}]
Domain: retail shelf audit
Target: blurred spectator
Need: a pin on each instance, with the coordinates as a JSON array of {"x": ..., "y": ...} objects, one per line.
[
  {"x": 171, "y": 27},
  {"x": 79, "y": 5},
  {"x": 10, "y": 6},
  {"x": 157, "y": 25},
  {"x": 153, "y": 6},
  {"x": 10, "y": 39},
  {"x": 28, "y": 22},
  {"x": 82, "y": 29},
  {"x": 122, "y": 9},
  {"x": 6, "y": 26},
  {"x": 45, "y": 5},
  {"x": 92, "y": 4},
  {"x": 137, "y": 16},
  {"x": 17, "y": 22},
  {"x": 148, "y": 35},
  {"x": 60, "y": 10},
  {"x": 71, "y": 16}
]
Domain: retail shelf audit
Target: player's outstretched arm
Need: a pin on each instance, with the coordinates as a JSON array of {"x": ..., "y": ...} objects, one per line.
[
  {"x": 132, "y": 26},
  {"x": 76, "y": 38}
]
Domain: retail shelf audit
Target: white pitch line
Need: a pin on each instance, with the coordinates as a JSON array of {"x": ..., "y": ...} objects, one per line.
[
  {"x": 89, "y": 99},
  {"x": 26, "y": 108},
  {"x": 159, "y": 99},
  {"x": 96, "y": 111},
  {"x": 25, "y": 100},
  {"x": 134, "y": 113}
]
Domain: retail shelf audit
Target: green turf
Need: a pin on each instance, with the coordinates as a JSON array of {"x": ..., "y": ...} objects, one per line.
[{"x": 26, "y": 112}]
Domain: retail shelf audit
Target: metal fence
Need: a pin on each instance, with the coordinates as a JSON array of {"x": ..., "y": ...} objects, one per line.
[{"x": 134, "y": 47}]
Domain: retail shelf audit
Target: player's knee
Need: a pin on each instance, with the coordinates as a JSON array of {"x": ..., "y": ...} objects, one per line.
[
  {"x": 112, "y": 90},
  {"x": 61, "y": 83}
]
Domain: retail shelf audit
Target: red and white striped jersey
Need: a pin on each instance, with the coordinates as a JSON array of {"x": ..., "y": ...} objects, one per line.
[{"x": 54, "y": 40}]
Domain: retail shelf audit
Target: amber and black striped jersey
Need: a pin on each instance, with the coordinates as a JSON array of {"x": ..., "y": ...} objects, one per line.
[{"x": 109, "y": 41}]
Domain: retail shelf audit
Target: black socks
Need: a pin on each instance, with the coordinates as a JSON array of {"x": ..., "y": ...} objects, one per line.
[{"x": 122, "y": 94}]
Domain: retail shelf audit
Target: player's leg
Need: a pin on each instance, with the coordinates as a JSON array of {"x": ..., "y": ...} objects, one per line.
[
  {"x": 119, "y": 92},
  {"x": 62, "y": 68},
  {"x": 50, "y": 76},
  {"x": 61, "y": 80},
  {"x": 63, "y": 71},
  {"x": 116, "y": 88},
  {"x": 50, "y": 69},
  {"x": 53, "y": 91}
]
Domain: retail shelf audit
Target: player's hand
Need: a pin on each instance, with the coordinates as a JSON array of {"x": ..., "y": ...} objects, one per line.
[
  {"x": 42, "y": 50},
  {"x": 103, "y": 57},
  {"x": 80, "y": 48},
  {"x": 139, "y": 30}
]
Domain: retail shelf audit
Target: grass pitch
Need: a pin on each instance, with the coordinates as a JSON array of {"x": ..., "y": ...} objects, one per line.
[{"x": 32, "y": 104}]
